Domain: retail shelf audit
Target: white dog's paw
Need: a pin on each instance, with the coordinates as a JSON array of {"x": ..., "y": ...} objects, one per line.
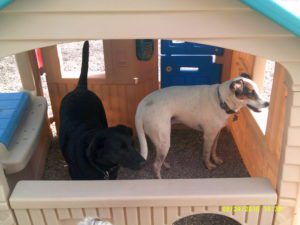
[
  {"x": 156, "y": 171},
  {"x": 167, "y": 165},
  {"x": 157, "y": 175},
  {"x": 218, "y": 160},
  {"x": 210, "y": 165}
]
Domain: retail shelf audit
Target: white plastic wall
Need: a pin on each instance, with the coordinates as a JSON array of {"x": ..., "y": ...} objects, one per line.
[{"x": 226, "y": 23}]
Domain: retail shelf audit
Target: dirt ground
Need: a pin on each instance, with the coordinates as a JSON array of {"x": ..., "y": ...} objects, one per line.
[
  {"x": 185, "y": 158},
  {"x": 185, "y": 155}
]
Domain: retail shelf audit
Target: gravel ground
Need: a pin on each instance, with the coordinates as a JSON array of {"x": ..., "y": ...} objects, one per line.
[
  {"x": 9, "y": 75},
  {"x": 268, "y": 79},
  {"x": 185, "y": 158},
  {"x": 72, "y": 59},
  {"x": 186, "y": 144}
]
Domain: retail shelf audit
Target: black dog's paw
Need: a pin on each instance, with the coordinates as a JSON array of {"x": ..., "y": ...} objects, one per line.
[{"x": 124, "y": 129}]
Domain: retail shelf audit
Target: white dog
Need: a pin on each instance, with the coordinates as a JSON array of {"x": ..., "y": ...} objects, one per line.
[
  {"x": 93, "y": 221},
  {"x": 201, "y": 107}
]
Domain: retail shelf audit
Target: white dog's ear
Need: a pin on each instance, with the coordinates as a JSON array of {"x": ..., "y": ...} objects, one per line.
[
  {"x": 246, "y": 75},
  {"x": 237, "y": 87}
]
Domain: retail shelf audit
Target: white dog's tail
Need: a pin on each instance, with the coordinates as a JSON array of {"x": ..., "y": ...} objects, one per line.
[{"x": 142, "y": 137}]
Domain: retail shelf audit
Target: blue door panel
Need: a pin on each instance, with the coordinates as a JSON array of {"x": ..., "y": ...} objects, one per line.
[
  {"x": 190, "y": 79},
  {"x": 189, "y": 70},
  {"x": 189, "y": 64},
  {"x": 170, "y": 47}
]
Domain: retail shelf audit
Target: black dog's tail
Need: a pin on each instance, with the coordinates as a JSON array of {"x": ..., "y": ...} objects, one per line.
[{"x": 82, "y": 83}]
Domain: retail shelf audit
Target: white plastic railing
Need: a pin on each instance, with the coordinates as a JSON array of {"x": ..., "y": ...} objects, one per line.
[{"x": 249, "y": 201}]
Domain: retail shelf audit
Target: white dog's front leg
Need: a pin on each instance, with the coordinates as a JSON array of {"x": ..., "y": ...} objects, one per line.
[
  {"x": 215, "y": 158},
  {"x": 209, "y": 138}
]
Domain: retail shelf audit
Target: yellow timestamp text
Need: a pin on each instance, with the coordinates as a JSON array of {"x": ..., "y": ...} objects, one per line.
[{"x": 249, "y": 209}]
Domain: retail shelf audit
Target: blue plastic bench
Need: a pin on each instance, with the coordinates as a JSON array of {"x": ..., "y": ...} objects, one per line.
[
  {"x": 22, "y": 117},
  {"x": 12, "y": 107}
]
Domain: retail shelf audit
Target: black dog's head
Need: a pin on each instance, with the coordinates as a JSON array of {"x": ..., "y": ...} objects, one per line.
[{"x": 114, "y": 146}]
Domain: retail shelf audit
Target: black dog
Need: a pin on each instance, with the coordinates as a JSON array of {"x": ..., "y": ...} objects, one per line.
[{"x": 92, "y": 150}]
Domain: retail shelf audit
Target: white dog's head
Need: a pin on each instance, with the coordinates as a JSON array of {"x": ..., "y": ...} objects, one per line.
[{"x": 242, "y": 91}]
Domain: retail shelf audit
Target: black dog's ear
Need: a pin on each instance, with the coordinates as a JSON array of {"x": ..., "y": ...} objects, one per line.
[
  {"x": 124, "y": 129},
  {"x": 237, "y": 87},
  {"x": 246, "y": 75}
]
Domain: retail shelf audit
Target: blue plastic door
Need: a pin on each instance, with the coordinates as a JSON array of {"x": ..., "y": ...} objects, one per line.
[{"x": 186, "y": 63}]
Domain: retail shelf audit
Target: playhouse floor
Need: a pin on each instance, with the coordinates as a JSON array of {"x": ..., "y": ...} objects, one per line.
[{"x": 185, "y": 158}]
